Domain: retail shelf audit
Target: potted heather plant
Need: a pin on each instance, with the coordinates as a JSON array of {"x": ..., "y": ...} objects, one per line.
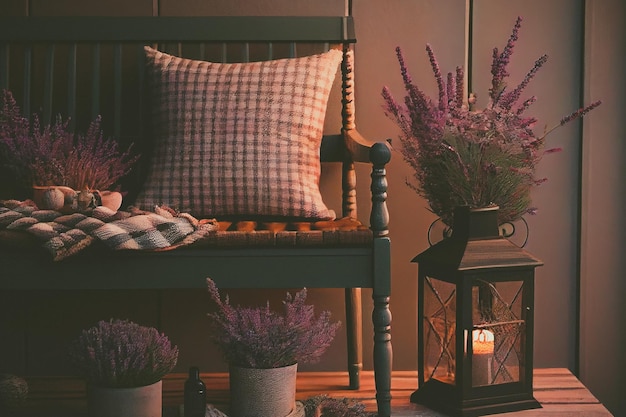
[
  {"x": 263, "y": 348},
  {"x": 53, "y": 156},
  {"x": 123, "y": 364},
  {"x": 463, "y": 156}
]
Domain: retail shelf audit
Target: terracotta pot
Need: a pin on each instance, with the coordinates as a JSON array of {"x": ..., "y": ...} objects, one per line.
[
  {"x": 52, "y": 197},
  {"x": 111, "y": 199},
  {"x": 263, "y": 392},
  {"x": 143, "y": 401}
]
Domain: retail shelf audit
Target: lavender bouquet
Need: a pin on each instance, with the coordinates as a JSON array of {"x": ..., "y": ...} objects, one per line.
[
  {"x": 325, "y": 406},
  {"x": 262, "y": 338},
  {"x": 123, "y": 354},
  {"x": 467, "y": 157},
  {"x": 53, "y": 155}
]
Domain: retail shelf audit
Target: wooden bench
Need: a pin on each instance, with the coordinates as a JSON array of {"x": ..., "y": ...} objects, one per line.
[{"x": 37, "y": 52}]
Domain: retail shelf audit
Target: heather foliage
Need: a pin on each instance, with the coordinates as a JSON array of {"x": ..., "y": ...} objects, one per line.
[
  {"x": 123, "y": 354},
  {"x": 325, "y": 406},
  {"x": 263, "y": 338},
  {"x": 53, "y": 155},
  {"x": 467, "y": 157}
]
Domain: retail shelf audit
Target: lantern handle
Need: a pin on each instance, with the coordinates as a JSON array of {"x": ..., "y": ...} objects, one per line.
[{"x": 507, "y": 230}]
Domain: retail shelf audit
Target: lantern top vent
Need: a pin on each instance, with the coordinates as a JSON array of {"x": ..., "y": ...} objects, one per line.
[{"x": 476, "y": 244}]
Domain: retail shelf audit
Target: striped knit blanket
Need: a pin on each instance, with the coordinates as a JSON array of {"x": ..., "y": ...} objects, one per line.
[{"x": 63, "y": 235}]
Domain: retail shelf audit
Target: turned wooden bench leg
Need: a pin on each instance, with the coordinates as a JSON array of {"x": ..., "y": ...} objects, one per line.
[
  {"x": 354, "y": 329},
  {"x": 381, "y": 318}
]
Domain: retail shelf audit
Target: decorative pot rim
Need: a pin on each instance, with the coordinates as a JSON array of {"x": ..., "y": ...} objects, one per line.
[{"x": 258, "y": 368}]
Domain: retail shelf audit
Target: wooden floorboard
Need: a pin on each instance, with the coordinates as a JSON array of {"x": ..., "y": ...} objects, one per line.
[{"x": 559, "y": 392}]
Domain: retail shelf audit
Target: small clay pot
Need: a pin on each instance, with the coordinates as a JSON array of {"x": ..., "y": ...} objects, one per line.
[
  {"x": 111, "y": 199},
  {"x": 51, "y": 197}
]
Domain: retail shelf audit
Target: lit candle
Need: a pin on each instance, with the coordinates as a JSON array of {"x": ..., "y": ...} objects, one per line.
[{"x": 482, "y": 358}]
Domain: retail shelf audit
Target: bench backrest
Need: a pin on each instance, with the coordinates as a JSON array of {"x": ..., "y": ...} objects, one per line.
[{"x": 84, "y": 67}]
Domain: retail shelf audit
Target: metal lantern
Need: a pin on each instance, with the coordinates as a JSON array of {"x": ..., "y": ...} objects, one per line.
[{"x": 475, "y": 320}]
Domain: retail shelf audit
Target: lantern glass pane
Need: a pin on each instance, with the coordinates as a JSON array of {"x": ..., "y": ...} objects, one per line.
[
  {"x": 439, "y": 330},
  {"x": 498, "y": 332}
]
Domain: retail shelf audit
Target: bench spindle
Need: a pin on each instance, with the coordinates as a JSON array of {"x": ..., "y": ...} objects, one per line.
[
  {"x": 95, "y": 81},
  {"x": 71, "y": 85}
]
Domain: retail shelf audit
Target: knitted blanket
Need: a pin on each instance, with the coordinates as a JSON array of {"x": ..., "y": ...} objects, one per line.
[{"x": 63, "y": 235}]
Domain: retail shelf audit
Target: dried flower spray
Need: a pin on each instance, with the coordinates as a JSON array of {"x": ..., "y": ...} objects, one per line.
[
  {"x": 467, "y": 157},
  {"x": 258, "y": 337}
]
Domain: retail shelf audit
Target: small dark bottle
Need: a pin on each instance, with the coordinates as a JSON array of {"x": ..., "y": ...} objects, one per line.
[{"x": 195, "y": 394}]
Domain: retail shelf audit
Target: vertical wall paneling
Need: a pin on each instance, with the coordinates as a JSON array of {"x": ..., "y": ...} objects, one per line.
[
  {"x": 4, "y": 67},
  {"x": 270, "y": 51},
  {"x": 28, "y": 61},
  {"x": 141, "y": 80},
  {"x": 117, "y": 89},
  {"x": 579, "y": 189},
  {"x": 245, "y": 52},
  {"x": 603, "y": 223},
  {"x": 224, "y": 53},
  {"x": 469, "y": 28}
]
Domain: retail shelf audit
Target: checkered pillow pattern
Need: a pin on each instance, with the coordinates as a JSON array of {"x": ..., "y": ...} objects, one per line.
[{"x": 238, "y": 139}]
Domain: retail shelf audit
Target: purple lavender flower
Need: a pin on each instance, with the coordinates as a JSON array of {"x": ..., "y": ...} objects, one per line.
[
  {"x": 122, "y": 354},
  {"x": 525, "y": 105},
  {"x": 500, "y": 62},
  {"x": 579, "y": 113},
  {"x": 510, "y": 98},
  {"x": 53, "y": 155},
  {"x": 325, "y": 406},
  {"x": 552, "y": 150},
  {"x": 459, "y": 94},
  {"x": 463, "y": 156},
  {"x": 451, "y": 90},
  {"x": 264, "y": 338},
  {"x": 443, "y": 99}
]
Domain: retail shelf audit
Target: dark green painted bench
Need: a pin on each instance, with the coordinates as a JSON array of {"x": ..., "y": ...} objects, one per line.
[{"x": 38, "y": 61}]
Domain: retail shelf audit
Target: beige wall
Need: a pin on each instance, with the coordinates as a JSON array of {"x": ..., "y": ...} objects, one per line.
[
  {"x": 560, "y": 28},
  {"x": 553, "y": 232},
  {"x": 554, "y": 28},
  {"x": 584, "y": 45}
]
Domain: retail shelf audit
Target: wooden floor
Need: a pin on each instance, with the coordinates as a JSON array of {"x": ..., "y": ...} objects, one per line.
[{"x": 559, "y": 392}]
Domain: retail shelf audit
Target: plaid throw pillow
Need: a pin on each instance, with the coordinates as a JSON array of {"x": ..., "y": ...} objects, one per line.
[{"x": 238, "y": 139}]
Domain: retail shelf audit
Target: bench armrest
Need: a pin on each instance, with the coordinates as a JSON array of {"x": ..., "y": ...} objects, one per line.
[
  {"x": 378, "y": 154},
  {"x": 360, "y": 148}
]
